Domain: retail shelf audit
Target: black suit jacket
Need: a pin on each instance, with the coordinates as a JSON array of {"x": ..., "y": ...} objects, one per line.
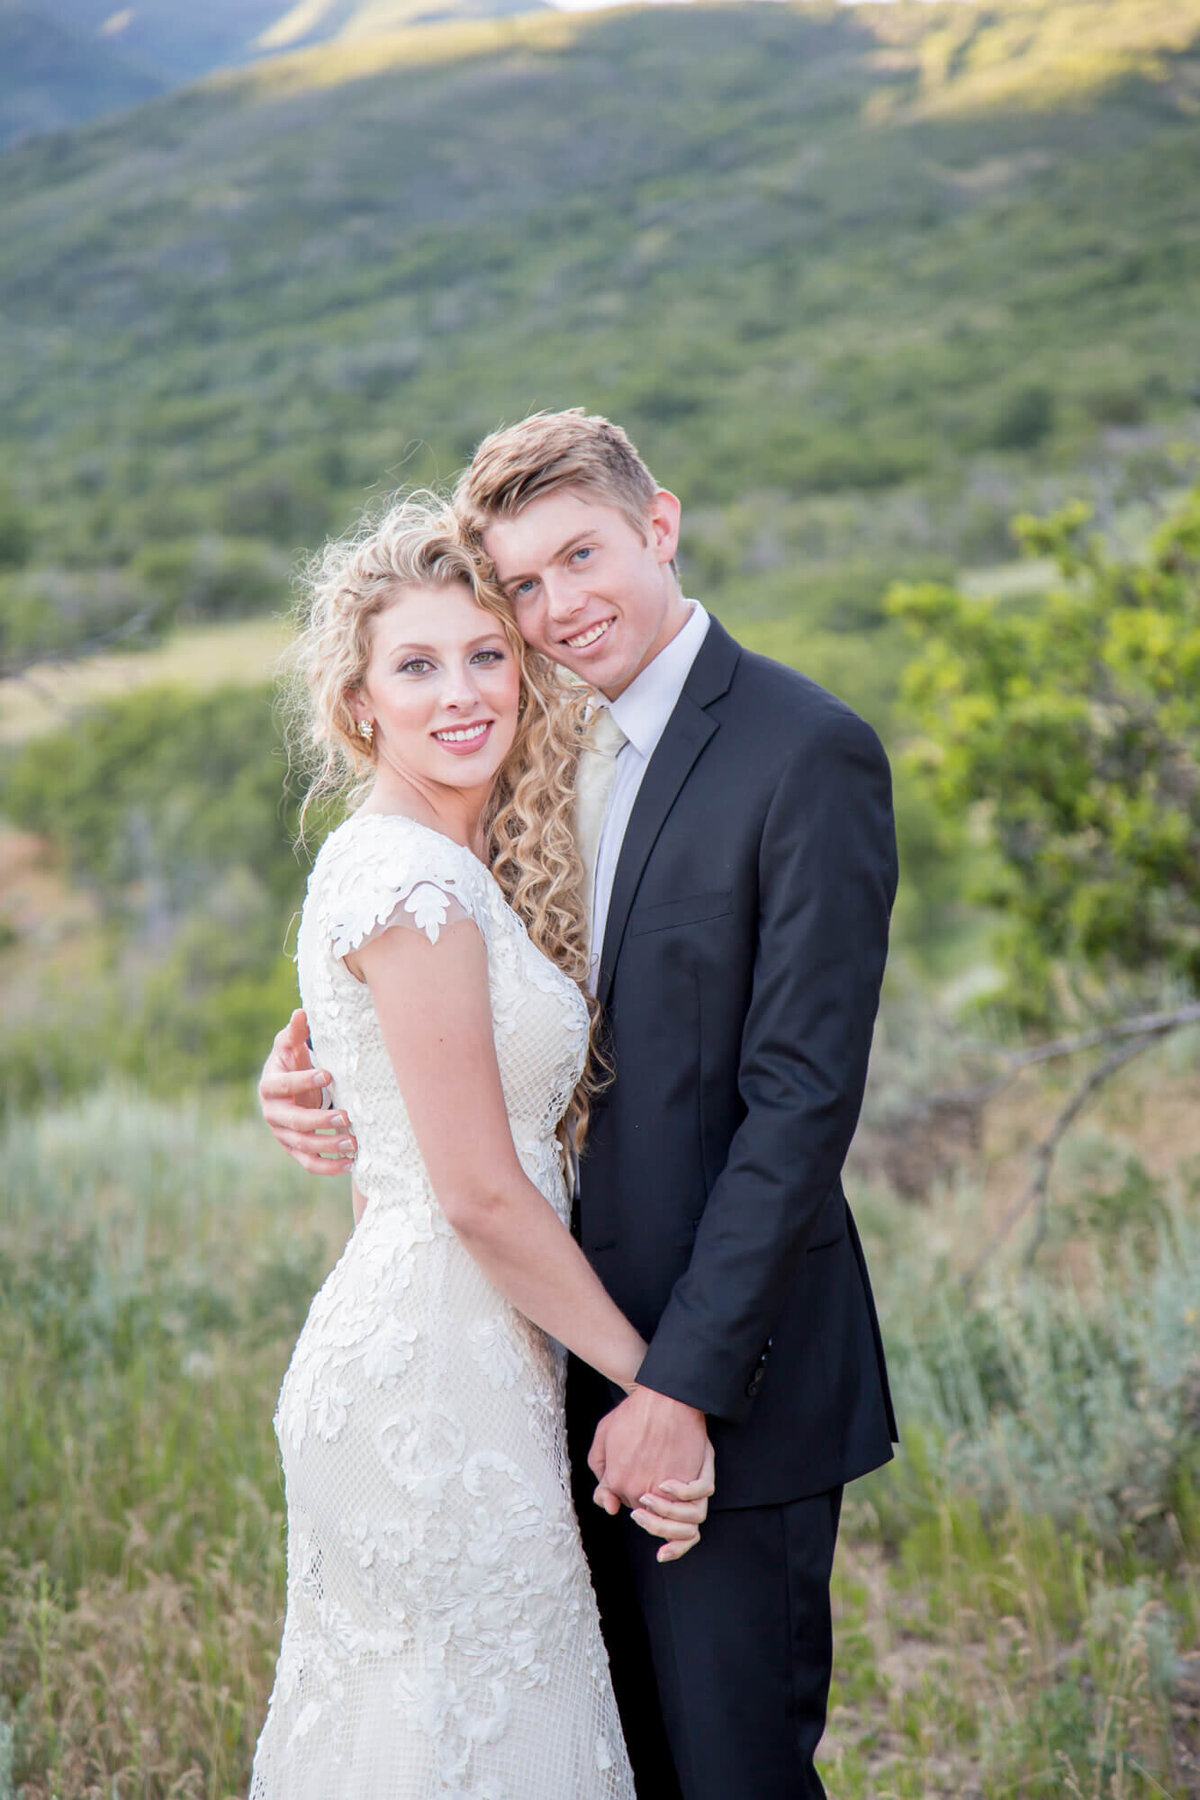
[{"x": 740, "y": 974}]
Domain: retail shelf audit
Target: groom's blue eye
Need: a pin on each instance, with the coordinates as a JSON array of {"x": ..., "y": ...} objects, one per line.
[{"x": 584, "y": 550}]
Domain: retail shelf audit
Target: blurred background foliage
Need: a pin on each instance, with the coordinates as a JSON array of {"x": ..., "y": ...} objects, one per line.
[
  {"x": 1067, "y": 730},
  {"x": 902, "y": 300},
  {"x": 863, "y": 282}
]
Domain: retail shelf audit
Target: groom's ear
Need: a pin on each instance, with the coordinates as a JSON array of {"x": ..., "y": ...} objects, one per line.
[{"x": 662, "y": 524}]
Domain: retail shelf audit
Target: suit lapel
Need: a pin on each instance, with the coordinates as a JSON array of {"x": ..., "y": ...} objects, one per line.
[{"x": 688, "y": 730}]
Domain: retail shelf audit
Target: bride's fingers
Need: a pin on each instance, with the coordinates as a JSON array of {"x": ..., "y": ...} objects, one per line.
[
  {"x": 687, "y": 1512},
  {"x": 674, "y": 1530},
  {"x": 677, "y": 1548},
  {"x": 699, "y": 1489},
  {"x": 673, "y": 1552}
]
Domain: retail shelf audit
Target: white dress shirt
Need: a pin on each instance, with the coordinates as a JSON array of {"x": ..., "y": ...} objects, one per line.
[{"x": 642, "y": 712}]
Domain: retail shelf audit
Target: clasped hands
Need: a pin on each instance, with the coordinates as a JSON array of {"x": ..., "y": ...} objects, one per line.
[
  {"x": 635, "y": 1443},
  {"x": 647, "y": 1433}
]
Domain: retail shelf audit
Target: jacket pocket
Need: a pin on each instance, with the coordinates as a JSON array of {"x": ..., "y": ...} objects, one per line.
[{"x": 691, "y": 910}]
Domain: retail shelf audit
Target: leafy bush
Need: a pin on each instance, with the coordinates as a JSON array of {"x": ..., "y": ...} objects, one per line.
[
  {"x": 16, "y": 535},
  {"x": 1023, "y": 420},
  {"x": 213, "y": 577},
  {"x": 45, "y": 612},
  {"x": 165, "y": 789},
  {"x": 175, "y": 809},
  {"x": 1068, "y": 731}
]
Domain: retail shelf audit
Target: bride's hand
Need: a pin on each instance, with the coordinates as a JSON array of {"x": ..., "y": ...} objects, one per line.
[{"x": 676, "y": 1510}]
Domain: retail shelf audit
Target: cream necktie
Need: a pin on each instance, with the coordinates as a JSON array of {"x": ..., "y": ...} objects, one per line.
[{"x": 593, "y": 783}]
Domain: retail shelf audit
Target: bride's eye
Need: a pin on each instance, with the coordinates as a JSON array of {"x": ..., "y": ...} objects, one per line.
[
  {"x": 416, "y": 665},
  {"x": 488, "y": 656}
]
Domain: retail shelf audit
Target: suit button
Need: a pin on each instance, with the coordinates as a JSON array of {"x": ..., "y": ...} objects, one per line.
[{"x": 754, "y": 1383}]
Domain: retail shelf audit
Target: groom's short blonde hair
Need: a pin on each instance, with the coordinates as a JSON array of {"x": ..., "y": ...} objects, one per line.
[{"x": 545, "y": 453}]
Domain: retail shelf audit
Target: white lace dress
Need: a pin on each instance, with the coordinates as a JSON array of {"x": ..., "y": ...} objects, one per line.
[{"x": 441, "y": 1634}]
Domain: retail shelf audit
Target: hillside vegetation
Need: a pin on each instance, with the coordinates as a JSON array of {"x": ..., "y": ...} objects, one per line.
[{"x": 860, "y": 280}]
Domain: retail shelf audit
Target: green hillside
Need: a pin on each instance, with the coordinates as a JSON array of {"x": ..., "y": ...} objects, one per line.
[
  {"x": 860, "y": 281},
  {"x": 863, "y": 282}
]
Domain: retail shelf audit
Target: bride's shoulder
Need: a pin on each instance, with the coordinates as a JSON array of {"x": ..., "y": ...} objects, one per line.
[{"x": 379, "y": 867}]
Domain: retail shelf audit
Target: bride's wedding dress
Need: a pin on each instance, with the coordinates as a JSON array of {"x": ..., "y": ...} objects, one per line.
[{"x": 441, "y": 1634}]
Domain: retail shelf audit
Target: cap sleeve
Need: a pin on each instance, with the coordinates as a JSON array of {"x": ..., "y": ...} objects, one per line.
[
  {"x": 429, "y": 906},
  {"x": 397, "y": 875}
]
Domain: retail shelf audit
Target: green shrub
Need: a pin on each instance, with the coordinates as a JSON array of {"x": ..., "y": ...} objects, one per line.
[
  {"x": 1023, "y": 419},
  {"x": 175, "y": 810},
  {"x": 214, "y": 577},
  {"x": 1029, "y": 1398}
]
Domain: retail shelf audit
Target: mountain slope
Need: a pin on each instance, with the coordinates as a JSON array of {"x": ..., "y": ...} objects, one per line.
[
  {"x": 182, "y": 42},
  {"x": 858, "y": 287},
  {"x": 320, "y": 21},
  {"x": 52, "y": 79}
]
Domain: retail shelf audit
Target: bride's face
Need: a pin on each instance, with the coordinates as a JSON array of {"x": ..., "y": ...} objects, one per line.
[{"x": 441, "y": 686}]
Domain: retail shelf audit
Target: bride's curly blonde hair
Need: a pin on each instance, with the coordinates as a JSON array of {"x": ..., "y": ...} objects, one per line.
[{"x": 416, "y": 542}]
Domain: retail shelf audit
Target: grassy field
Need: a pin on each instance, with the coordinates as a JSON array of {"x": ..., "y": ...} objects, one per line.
[{"x": 1017, "y": 1599}]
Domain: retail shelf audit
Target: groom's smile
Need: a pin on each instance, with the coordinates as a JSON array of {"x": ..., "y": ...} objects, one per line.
[{"x": 585, "y": 639}]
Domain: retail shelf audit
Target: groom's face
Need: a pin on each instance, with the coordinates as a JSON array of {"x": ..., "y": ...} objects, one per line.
[{"x": 589, "y": 590}]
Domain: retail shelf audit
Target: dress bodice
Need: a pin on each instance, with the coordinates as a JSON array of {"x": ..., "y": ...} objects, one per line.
[{"x": 378, "y": 871}]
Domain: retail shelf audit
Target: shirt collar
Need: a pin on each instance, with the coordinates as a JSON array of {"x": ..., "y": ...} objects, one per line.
[{"x": 647, "y": 703}]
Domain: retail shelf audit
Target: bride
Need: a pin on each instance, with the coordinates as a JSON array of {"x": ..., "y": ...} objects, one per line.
[{"x": 441, "y": 1635}]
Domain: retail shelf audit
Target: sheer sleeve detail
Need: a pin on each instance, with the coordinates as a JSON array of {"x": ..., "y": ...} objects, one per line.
[
  {"x": 427, "y": 906},
  {"x": 389, "y": 872}
]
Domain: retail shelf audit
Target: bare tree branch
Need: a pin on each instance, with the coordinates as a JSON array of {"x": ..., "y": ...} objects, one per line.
[
  {"x": 1037, "y": 1190},
  {"x": 19, "y": 666},
  {"x": 1145, "y": 1025}
]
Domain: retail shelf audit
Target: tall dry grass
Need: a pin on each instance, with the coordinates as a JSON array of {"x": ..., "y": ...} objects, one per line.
[
  {"x": 155, "y": 1264},
  {"x": 1017, "y": 1598}
]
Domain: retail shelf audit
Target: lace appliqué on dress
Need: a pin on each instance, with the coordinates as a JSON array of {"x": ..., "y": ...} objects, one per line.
[{"x": 427, "y": 906}]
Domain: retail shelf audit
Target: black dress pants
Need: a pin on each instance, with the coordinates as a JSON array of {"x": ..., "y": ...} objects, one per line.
[{"x": 721, "y": 1661}]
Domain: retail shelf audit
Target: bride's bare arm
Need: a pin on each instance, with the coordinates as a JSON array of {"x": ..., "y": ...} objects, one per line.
[{"x": 434, "y": 1010}]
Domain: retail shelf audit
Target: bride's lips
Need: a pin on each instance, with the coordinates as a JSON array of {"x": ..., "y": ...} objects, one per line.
[
  {"x": 464, "y": 740},
  {"x": 591, "y": 635}
]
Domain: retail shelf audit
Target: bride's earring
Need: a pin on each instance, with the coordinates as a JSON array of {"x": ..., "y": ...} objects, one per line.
[{"x": 366, "y": 731}]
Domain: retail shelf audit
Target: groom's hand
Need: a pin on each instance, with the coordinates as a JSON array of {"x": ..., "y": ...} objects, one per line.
[
  {"x": 646, "y": 1440},
  {"x": 289, "y": 1093}
]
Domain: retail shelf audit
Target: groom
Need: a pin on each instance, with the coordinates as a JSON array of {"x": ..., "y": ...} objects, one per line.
[{"x": 737, "y": 824}]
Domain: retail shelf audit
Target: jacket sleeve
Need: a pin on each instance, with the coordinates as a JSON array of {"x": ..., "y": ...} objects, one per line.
[{"x": 827, "y": 878}]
